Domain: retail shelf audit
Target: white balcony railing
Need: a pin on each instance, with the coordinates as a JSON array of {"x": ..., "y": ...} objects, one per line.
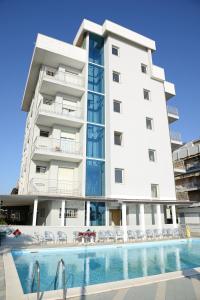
[
  {"x": 70, "y": 111},
  {"x": 175, "y": 136},
  {"x": 50, "y": 186},
  {"x": 57, "y": 145},
  {"x": 172, "y": 110},
  {"x": 65, "y": 77}
]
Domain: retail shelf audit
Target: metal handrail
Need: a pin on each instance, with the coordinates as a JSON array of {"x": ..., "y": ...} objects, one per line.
[
  {"x": 61, "y": 262},
  {"x": 36, "y": 271}
]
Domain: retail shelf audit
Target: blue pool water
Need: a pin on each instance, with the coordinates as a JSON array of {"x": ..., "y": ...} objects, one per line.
[{"x": 99, "y": 264}]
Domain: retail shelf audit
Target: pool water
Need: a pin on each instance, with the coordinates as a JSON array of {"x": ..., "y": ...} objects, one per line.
[{"x": 100, "y": 264}]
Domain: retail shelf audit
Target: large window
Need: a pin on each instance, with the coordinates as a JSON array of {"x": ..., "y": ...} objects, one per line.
[
  {"x": 95, "y": 108},
  {"x": 96, "y": 78},
  {"x": 95, "y": 141},
  {"x": 96, "y": 46},
  {"x": 95, "y": 185},
  {"x": 97, "y": 213}
]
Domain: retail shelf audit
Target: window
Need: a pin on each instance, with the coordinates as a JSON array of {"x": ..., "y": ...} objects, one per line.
[
  {"x": 41, "y": 169},
  {"x": 71, "y": 213},
  {"x": 152, "y": 155},
  {"x": 154, "y": 190},
  {"x": 116, "y": 76},
  {"x": 47, "y": 101},
  {"x": 119, "y": 175},
  {"x": 115, "y": 50},
  {"x": 118, "y": 138},
  {"x": 146, "y": 94},
  {"x": 44, "y": 133},
  {"x": 149, "y": 123},
  {"x": 117, "y": 106},
  {"x": 50, "y": 73},
  {"x": 144, "y": 68}
]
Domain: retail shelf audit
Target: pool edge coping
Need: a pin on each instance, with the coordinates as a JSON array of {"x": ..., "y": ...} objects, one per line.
[{"x": 14, "y": 289}]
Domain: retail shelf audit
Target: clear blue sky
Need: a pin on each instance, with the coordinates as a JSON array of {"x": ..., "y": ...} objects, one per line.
[{"x": 173, "y": 24}]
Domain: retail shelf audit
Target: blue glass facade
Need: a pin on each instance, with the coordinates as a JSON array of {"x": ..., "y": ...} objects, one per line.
[
  {"x": 95, "y": 144},
  {"x": 95, "y": 108},
  {"x": 95, "y": 141},
  {"x": 95, "y": 177},
  {"x": 97, "y": 213}
]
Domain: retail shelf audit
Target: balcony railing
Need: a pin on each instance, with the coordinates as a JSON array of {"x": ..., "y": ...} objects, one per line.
[
  {"x": 71, "y": 111},
  {"x": 175, "y": 136},
  {"x": 179, "y": 164},
  {"x": 57, "y": 145},
  {"x": 182, "y": 196},
  {"x": 172, "y": 110},
  {"x": 50, "y": 186},
  {"x": 188, "y": 186},
  {"x": 65, "y": 77}
]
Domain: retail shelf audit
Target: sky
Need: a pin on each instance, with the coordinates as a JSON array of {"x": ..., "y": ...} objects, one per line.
[{"x": 173, "y": 24}]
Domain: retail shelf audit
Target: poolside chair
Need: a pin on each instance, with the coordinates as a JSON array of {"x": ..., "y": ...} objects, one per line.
[
  {"x": 110, "y": 235},
  {"x": 102, "y": 236},
  {"x": 61, "y": 236},
  {"x": 169, "y": 233},
  {"x": 149, "y": 234},
  {"x": 119, "y": 235},
  {"x": 37, "y": 237},
  {"x": 131, "y": 234},
  {"x": 76, "y": 237},
  {"x": 140, "y": 234},
  {"x": 49, "y": 236},
  {"x": 157, "y": 233},
  {"x": 176, "y": 233},
  {"x": 164, "y": 233}
]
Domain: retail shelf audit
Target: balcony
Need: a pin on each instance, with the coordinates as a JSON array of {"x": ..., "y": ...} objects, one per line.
[
  {"x": 55, "y": 113},
  {"x": 55, "y": 81},
  {"x": 176, "y": 140},
  {"x": 169, "y": 90},
  {"x": 46, "y": 149},
  {"x": 182, "y": 196},
  {"x": 179, "y": 167},
  {"x": 158, "y": 73},
  {"x": 172, "y": 113},
  {"x": 190, "y": 186},
  {"x": 53, "y": 187}
]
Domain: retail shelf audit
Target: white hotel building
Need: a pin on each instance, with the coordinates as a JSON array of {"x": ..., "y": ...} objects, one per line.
[{"x": 97, "y": 147}]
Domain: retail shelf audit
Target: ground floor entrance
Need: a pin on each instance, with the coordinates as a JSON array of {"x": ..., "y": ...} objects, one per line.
[{"x": 115, "y": 217}]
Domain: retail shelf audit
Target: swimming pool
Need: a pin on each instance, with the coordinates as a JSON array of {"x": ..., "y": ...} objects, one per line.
[{"x": 100, "y": 264}]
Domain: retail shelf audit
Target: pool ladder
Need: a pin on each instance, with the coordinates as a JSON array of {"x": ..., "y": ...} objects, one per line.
[
  {"x": 61, "y": 263},
  {"x": 36, "y": 271}
]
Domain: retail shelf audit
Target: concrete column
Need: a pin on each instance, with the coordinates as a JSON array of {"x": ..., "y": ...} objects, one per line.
[
  {"x": 124, "y": 225},
  {"x": 63, "y": 213},
  {"x": 106, "y": 214},
  {"x": 88, "y": 213},
  {"x": 35, "y": 206},
  {"x": 174, "y": 216},
  {"x": 142, "y": 217},
  {"x": 158, "y": 217}
]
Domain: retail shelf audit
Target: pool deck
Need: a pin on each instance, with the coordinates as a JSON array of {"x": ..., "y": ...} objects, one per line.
[{"x": 181, "y": 285}]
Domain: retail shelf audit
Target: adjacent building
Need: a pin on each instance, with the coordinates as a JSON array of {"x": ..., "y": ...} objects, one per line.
[
  {"x": 98, "y": 147},
  {"x": 187, "y": 178}
]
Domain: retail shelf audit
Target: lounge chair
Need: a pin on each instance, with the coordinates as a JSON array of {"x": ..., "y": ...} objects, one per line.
[
  {"x": 149, "y": 234},
  {"x": 110, "y": 235},
  {"x": 170, "y": 232},
  {"x": 164, "y": 233},
  {"x": 61, "y": 236},
  {"x": 76, "y": 237},
  {"x": 176, "y": 233}
]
